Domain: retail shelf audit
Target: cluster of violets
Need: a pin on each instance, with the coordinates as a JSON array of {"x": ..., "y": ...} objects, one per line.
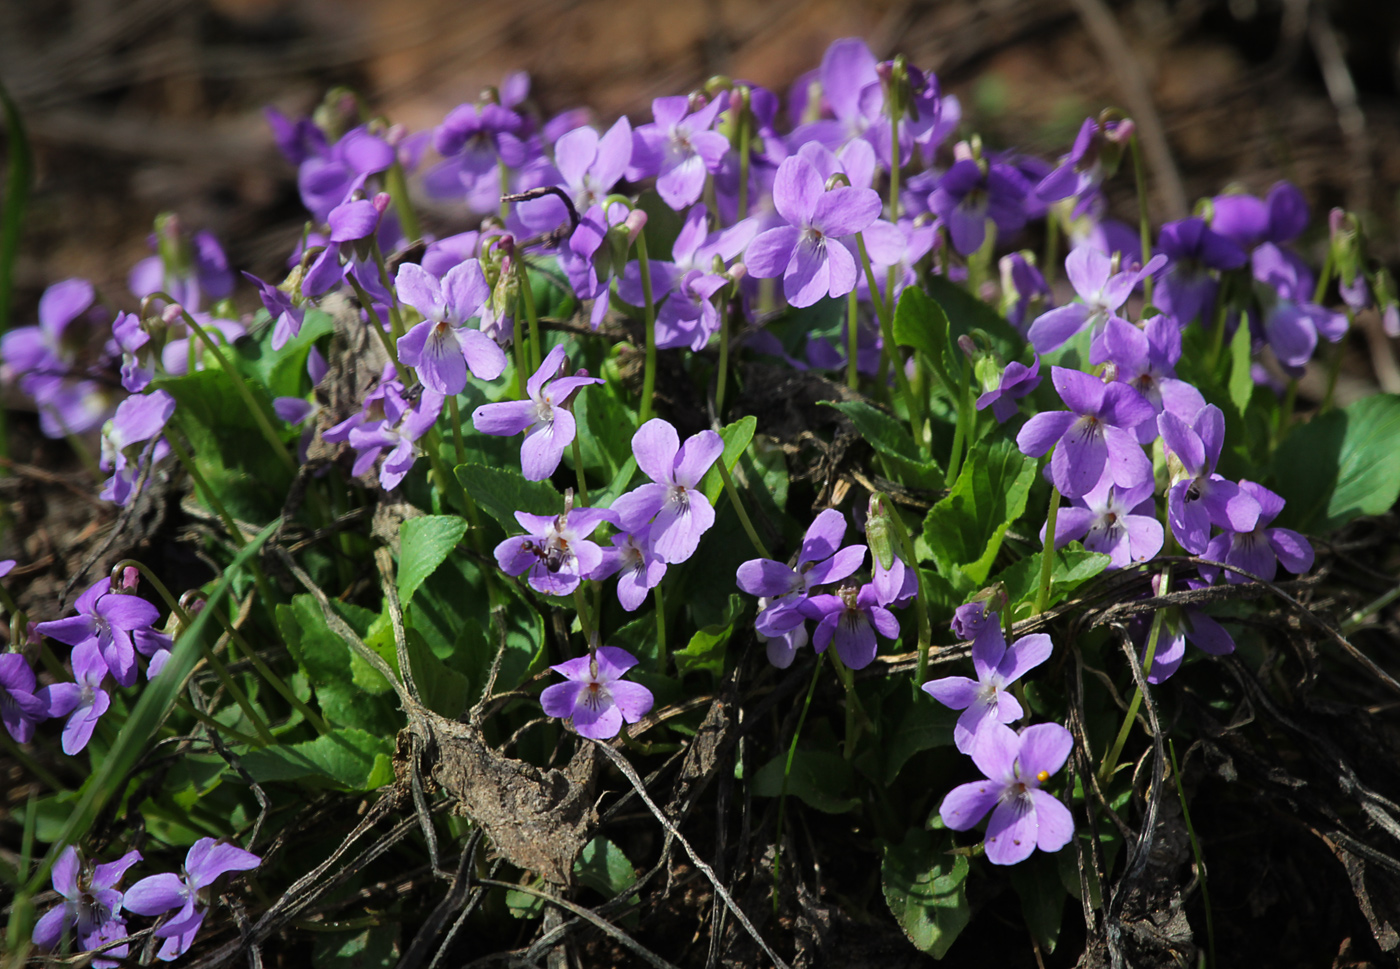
[
  {"x": 93, "y": 901},
  {"x": 764, "y": 191}
]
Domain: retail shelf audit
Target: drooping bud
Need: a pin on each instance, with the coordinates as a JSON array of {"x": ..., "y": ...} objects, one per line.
[{"x": 878, "y": 530}]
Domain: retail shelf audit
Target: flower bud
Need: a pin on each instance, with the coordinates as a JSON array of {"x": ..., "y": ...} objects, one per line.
[{"x": 878, "y": 530}]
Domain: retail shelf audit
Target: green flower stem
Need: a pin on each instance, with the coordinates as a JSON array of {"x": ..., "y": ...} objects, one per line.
[
  {"x": 578, "y": 469},
  {"x": 503, "y": 174},
  {"x": 733, "y": 494},
  {"x": 397, "y": 185},
  {"x": 532, "y": 316},
  {"x": 1324, "y": 279},
  {"x": 1144, "y": 223},
  {"x": 906, "y": 546},
  {"x": 267, "y": 673},
  {"x": 1355, "y": 620},
  {"x": 722, "y": 377},
  {"x": 787, "y": 773},
  {"x": 210, "y": 498},
  {"x": 649, "y": 308},
  {"x": 254, "y": 408},
  {"x": 911, "y": 403},
  {"x": 855, "y": 715},
  {"x": 182, "y": 614},
  {"x": 960, "y": 433},
  {"x": 520, "y": 354},
  {"x": 1110, "y": 760},
  {"x": 894, "y": 167},
  {"x": 661, "y": 650},
  {"x": 447, "y": 481},
  {"x": 1217, "y": 337},
  {"x": 1047, "y": 560},
  {"x": 743, "y": 122},
  {"x": 377, "y": 325},
  {"x": 1335, "y": 369},
  {"x": 584, "y": 624},
  {"x": 454, "y": 414},
  {"x": 1195, "y": 850},
  {"x": 852, "y": 375}
]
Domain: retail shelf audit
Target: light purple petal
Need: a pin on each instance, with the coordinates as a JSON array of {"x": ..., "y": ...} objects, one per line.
[
  {"x": 156, "y": 894},
  {"x": 655, "y": 446},
  {"x": 1053, "y": 328},
  {"x": 1011, "y": 833},
  {"x": 770, "y": 252},
  {"x": 544, "y": 446},
  {"x": 797, "y": 188},
  {"x": 505, "y": 418},
  {"x": 696, "y": 455},
  {"x": 954, "y": 692},
  {"x": 996, "y": 751},
  {"x": 765, "y": 577},
  {"x": 846, "y": 211},
  {"x": 1294, "y": 551},
  {"x": 1025, "y": 654},
  {"x": 633, "y": 700},
  {"x": 967, "y": 804},
  {"x": 1054, "y": 823},
  {"x": 1044, "y": 747},
  {"x": 678, "y": 526},
  {"x": 1043, "y": 431}
]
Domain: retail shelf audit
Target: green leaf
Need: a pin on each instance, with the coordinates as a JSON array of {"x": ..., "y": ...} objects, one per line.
[
  {"x": 282, "y": 372},
  {"x": 891, "y": 440},
  {"x": 821, "y": 778},
  {"x": 966, "y": 313},
  {"x": 920, "y": 323},
  {"x": 965, "y": 529},
  {"x": 925, "y": 725},
  {"x": 351, "y": 758},
  {"x": 1241, "y": 380},
  {"x": 1037, "y": 881},
  {"x": 736, "y": 439},
  {"x": 424, "y": 543},
  {"x": 609, "y": 424},
  {"x": 1074, "y": 565},
  {"x": 504, "y": 491},
  {"x": 1368, "y": 472},
  {"x": 603, "y": 867},
  {"x": 705, "y": 651},
  {"x": 926, "y": 889},
  {"x": 332, "y": 667},
  {"x": 443, "y": 689},
  {"x": 375, "y": 947}
]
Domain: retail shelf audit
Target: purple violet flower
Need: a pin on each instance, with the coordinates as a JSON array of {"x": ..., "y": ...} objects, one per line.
[
  {"x": 398, "y": 432},
  {"x": 1187, "y": 289},
  {"x": 20, "y": 708},
  {"x": 588, "y": 165},
  {"x": 970, "y": 193},
  {"x": 821, "y": 561},
  {"x": 91, "y": 903},
  {"x": 556, "y": 551},
  {"x": 138, "y": 419},
  {"x": 286, "y": 316},
  {"x": 1094, "y": 435},
  {"x": 105, "y": 621},
  {"x": 596, "y": 696},
  {"x": 549, "y": 426},
  {"x": 1118, "y": 522},
  {"x": 1024, "y": 817},
  {"x": 328, "y": 175},
  {"x": 679, "y": 148},
  {"x": 1015, "y": 382},
  {"x": 1145, "y": 359},
  {"x": 1179, "y": 626},
  {"x": 850, "y": 619},
  {"x": 639, "y": 569},
  {"x": 987, "y": 700},
  {"x": 193, "y": 272},
  {"x": 1082, "y": 171},
  {"x": 83, "y": 702},
  {"x": 1292, "y": 321},
  {"x": 1248, "y": 221},
  {"x": 204, "y": 863},
  {"x": 1102, "y": 292},
  {"x": 679, "y": 512},
  {"x": 1198, "y": 496},
  {"x": 972, "y": 620},
  {"x": 442, "y": 347},
  {"x": 806, "y": 252},
  {"x": 1261, "y": 549}
]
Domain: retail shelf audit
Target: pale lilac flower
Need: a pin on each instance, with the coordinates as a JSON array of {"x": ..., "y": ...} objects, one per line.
[
  {"x": 1186, "y": 289},
  {"x": 896, "y": 586},
  {"x": 596, "y": 696},
  {"x": 1081, "y": 172},
  {"x": 850, "y": 619},
  {"x": 679, "y": 512},
  {"x": 1095, "y": 435},
  {"x": 639, "y": 569},
  {"x": 83, "y": 702},
  {"x": 974, "y": 619},
  {"x": 187, "y": 891},
  {"x": 20, "y": 708},
  {"x": 196, "y": 275},
  {"x": 476, "y": 140},
  {"x": 1261, "y": 549},
  {"x": 549, "y": 426},
  {"x": 328, "y": 175},
  {"x": 1024, "y": 816},
  {"x": 821, "y": 561},
  {"x": 588, "y": 165},
  {"x": 92, "y": 903},
  {"x": 1249, "y": 221},
  {"x": 1102, "y": 292},
  {"x": 442, "y": 347},
  {"x": 397, "y": 432},
  {"x": 138, "y": 353},
  {"x": 851, "y": 90},
  {"x": 556, "y": 553},
  {"x": 1198, "y": 496},
  {"x": 1145, "y": 359},
  {"x": 286, "y": 316},
  {"x": 1292, "y": 321},
  {"x": 1013, "y": 383},
  {"x": 105, "y": 621},
  {"x": 1118, "y": 522},
  {"x": 679, "y": 148},
  {"x": 987, "y": 699},
  {"x": 139, "y": 419},
  {"x": 806, "y": 252},
  {"x": 1178, "y": 626},
  {"x": 782, "y": 648}
]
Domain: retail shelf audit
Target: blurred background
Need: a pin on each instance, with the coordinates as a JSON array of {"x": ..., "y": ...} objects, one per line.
[{"x": 141, "y": 106}]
